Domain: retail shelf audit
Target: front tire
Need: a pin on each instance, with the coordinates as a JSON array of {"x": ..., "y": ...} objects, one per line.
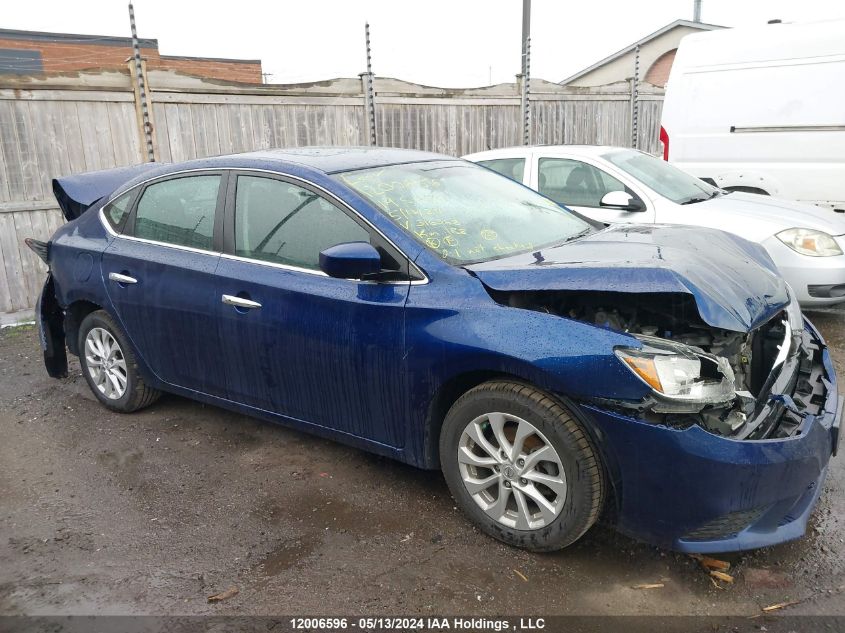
[
  {"x": 109, "y": 365},
  {"x": 521, "y": 466}
]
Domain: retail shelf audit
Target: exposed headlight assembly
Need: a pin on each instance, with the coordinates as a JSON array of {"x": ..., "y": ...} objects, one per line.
[
  {"x": 680, "y": 374},
  {"x": 810, "y": 242}
]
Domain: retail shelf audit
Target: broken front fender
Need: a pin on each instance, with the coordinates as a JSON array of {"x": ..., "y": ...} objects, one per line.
[{"x": 693, "y": 491}]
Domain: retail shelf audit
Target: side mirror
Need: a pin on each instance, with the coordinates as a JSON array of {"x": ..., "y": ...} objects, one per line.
[
  {"x": 352, "y": 260},
  {"x": 622, "y": 200}
]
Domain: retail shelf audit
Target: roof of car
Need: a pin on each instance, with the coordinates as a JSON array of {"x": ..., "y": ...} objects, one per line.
[
  {"x": 521, "y": 150},
  {"x": 328, "y": 160},
  {"x": 336, "y": 159}
]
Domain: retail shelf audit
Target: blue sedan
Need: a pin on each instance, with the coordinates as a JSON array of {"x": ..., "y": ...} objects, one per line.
[{"x": 430, "y": 310}]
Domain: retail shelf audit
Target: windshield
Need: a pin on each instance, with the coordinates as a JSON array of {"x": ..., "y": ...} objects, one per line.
[
  {"x": 668, "y": 181},
  {"x": 463, "y": 212}
]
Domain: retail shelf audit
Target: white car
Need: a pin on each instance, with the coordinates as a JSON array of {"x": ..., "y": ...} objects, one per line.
[{"x": 615, "y": 184}]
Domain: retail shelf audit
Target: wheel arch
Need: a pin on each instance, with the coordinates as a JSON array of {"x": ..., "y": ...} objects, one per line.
[
  {"x": 74, "y": 315},
  {"x": 746, "y": 189},
  {"x": 458, "y": 385},
  {"x": 443, "y": 399},
  {"x": 748, "y": 180}
]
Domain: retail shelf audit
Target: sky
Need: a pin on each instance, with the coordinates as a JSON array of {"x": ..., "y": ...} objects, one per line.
[{"x": 448, "y": 43}]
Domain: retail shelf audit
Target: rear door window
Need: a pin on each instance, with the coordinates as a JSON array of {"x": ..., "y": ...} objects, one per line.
[{"x": 179, "y": 211}]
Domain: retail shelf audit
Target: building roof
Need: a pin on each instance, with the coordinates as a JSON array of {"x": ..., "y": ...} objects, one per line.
[
  {"x": 74, "y": 38},
  {"x": 228, "y": 60},
  {"x": 108, "y": 40},
  {"x": 695, "y": 25}
]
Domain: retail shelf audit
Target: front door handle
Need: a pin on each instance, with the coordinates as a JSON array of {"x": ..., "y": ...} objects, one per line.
[
  {"x": 239, "y": 302},
  {"x": 122, "y": 279}
]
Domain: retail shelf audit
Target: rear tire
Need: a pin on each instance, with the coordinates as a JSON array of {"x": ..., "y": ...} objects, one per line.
[
  {"x": 521, "y": 466},
  {"x": 110, "y": 367}
]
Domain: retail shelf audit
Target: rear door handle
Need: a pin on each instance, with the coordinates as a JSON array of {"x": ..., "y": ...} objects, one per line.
[
  {"x": 239, "y": 302},
  {"x": 122, "y": 279}
]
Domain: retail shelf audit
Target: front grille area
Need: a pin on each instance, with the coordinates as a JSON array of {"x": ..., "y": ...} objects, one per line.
[
  {"x": 725, "y": 526},
  {"x": 795, "y": 388}
]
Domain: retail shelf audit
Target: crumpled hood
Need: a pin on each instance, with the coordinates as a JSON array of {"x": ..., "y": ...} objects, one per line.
[{"x": 734, "y": 283}]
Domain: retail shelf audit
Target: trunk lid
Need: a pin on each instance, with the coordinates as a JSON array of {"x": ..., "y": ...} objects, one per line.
[{"x": 76, "y": 194}]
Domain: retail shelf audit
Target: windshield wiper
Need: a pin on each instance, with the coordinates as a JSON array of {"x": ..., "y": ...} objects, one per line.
[
  {"x": 695, "y": 199},
  {"x": 572, "y": 237}
]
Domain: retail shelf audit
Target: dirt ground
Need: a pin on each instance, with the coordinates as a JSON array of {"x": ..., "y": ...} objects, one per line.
[{"x": 150, "y": 513}]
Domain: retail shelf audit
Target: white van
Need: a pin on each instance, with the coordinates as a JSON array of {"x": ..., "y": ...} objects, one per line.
[{"x": 761, "y": 109}]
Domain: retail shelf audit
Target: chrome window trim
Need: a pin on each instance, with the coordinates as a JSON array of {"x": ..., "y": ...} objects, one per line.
[
  {"x": 325, "y": 192},
  {"x": 143, "y": 240},
  {"x": 250, "y": 260},
  {"x": 319, "y": 273}
]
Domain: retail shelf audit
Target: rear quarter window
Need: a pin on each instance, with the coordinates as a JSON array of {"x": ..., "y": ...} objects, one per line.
[
  {"x": 117, "y": 210},
  {"x": 513, "y": 168}
]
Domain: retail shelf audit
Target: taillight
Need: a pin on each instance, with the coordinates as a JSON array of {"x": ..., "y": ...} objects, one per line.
[{"x": 664, "y": 140}]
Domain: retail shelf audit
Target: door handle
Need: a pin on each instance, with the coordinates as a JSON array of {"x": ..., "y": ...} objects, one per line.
[
  {"x": 122, "y": 279},
  {"x": 239, "y": 302}
]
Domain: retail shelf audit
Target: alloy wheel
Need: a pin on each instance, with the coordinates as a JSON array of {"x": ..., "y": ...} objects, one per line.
[
  {"x": 106, "y": 363},
  {"x": 512, "y": 471}
]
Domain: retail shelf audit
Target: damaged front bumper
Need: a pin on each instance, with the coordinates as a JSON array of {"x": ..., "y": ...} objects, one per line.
[{"x": 694, "y": 491}]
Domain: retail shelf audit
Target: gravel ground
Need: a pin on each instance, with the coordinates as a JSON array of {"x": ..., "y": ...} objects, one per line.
[{"x": 150, "y": 513}]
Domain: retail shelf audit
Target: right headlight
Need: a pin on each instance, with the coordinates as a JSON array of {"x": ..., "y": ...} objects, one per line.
[
  {"x": 679, "y": 372},
  {"x": 810, "y": 242}
]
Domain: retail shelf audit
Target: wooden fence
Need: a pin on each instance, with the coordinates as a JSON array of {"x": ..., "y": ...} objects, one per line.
[{"x": 61, "y": 126}]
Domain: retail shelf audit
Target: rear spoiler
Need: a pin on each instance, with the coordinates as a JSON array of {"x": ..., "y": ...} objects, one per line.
[{"x": 76, "y": 194}]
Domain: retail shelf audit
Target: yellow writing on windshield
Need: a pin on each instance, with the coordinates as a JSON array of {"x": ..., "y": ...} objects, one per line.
[{"x": 450, "y": 225}]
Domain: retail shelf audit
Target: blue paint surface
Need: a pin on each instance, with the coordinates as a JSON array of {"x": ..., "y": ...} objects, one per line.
[
  {"x": 735, "y": 284},
  {"x": 367, "y": 363}
]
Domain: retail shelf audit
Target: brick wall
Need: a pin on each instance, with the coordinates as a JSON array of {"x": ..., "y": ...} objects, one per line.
[
  {"x": 59, "y": 57},
  {"x": 658, "y": 74},
  {"x": 228, "y": 70}
]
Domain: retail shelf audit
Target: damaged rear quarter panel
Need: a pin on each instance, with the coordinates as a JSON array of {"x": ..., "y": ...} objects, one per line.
[{"x": 75, "y": 253}]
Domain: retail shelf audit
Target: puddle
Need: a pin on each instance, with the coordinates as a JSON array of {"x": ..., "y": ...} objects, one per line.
[{"x": 288, "y": 554}]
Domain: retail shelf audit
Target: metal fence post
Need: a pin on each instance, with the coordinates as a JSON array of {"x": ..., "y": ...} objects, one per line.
[
  {"x": 141, "y": 90},
  {"x": 526, "y": 93},
  {"x": 635, "y": 100},
  {"x": 369, "y": 94}
]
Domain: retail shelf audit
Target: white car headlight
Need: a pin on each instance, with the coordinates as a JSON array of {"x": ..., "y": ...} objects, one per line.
[
  {"x": 679, "y": 372},
  {"x": 810, "y": 242}
]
